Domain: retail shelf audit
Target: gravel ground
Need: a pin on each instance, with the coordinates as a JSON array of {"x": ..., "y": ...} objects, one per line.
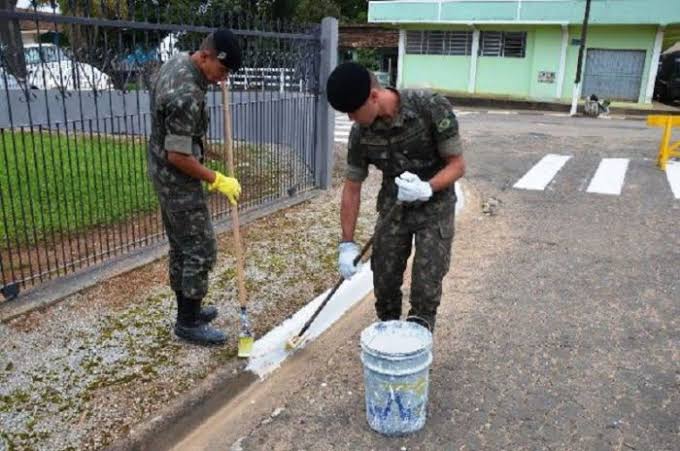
[{"x": 80, "y": 374}]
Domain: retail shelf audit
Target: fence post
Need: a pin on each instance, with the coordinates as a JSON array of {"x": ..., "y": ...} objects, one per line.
[{"x": 325, "y": 125}]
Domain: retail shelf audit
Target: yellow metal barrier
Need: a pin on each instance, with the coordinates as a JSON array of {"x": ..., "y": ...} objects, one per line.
[{"x": 666, "y": 149}]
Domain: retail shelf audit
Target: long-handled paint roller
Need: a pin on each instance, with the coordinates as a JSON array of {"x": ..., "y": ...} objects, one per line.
[
  {"x": 245, "y": 336},
  {"x": 295, "y": 341}
]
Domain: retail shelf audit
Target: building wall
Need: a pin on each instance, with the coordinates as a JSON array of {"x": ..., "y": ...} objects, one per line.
[
  {"x": 546, "y": 58},
  {"x": 519, "y": 77},
  {"x": 506, "y": 76},
  {"x": 449, "y": 73},
  {"x": 630, "y": 12},
  {"x": 610, "y": 37}
]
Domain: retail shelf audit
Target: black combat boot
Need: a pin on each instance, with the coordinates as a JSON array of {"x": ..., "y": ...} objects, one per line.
[
  {"x": 426, "y": 323},
  {"x": 190, "y": 328},
  {"x": 206, "y": 314}
]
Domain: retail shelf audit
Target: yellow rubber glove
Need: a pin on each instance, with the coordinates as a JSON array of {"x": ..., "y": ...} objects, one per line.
[{"x": 228, "y": 186}]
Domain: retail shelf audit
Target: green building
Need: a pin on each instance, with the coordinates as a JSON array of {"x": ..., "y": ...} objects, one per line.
[{"x": 529, "y": 48}]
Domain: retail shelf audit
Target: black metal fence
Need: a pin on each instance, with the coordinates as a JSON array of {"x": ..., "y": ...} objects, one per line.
[{"x": 74, "y": 121}]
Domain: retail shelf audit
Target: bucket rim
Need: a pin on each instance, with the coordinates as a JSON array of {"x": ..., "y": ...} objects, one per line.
[{"x": 426, "y": 335}]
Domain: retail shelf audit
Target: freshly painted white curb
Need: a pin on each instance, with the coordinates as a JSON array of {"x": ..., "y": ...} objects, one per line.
[{"x": 269, "y": 351}]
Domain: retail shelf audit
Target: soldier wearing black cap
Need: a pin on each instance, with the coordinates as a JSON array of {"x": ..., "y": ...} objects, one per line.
[
  {"x": 412, "y": 137},
  {"x": 176, "y": 154}
]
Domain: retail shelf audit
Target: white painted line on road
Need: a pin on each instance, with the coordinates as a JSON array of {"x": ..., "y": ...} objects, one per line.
[
  {"x": 673, "y": 176},
  {"x": 557, "y": 114},
  {"x": 609, "y": 177},
  {"x": 542, "y": 173},
  {"x": 269, "y": 351}
]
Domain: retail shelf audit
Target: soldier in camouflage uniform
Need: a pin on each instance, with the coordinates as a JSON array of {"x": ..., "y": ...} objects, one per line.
[
  {"x": 412, "y": 137},
  {"x": 176, "y": 155}
]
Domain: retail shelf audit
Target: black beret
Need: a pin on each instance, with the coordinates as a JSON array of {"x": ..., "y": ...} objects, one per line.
[
  {"x": 348, "y": 87},
  {"x": 227, "y": 48}
]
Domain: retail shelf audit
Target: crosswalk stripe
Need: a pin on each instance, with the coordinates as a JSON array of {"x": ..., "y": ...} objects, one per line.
[
  {"x": 609, "y": 177},
  {"x": 342, "y": 128},
  {"x": 673, "y": 176},
  {"x": 540, "y": 175}
]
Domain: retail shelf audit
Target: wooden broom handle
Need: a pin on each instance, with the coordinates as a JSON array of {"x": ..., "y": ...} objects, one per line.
[{"x": 238, "y": 249}]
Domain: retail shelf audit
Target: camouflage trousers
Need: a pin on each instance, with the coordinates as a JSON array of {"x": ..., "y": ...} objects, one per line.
[
  {"x": 391, "y": 250},
  {"x": 193, "y": 249}
]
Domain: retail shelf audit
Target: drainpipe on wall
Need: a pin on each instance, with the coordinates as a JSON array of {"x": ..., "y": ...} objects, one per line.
[{"x": 579, "y": 64}]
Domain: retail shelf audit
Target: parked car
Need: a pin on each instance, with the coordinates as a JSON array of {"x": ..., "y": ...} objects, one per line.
[
  {"x": 8, "y": 80},
  {"x": 49, "y": 67},
  {"x": 667, "y": 86}
]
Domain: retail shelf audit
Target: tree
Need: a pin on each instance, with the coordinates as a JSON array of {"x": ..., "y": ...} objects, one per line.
[
  {"x": 308, "y": 11},
  {"x": 353, "y": 11},
  {"x": 12, "y": 54}
]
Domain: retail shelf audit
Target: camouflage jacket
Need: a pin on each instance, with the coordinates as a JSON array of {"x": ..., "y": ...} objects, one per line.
[
  {"x": 179, "y": 121},
  {"x": 418, "y": 139}
]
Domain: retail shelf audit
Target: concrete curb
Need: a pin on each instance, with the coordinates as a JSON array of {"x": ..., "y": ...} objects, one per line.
[
  {"x": 161, "y": 431},
  {"x": 540, "y": 108},
  {"x": 49, "y": 293},
  {"x": 166, "y": 429},
  {"x": 546, "y": 113}
]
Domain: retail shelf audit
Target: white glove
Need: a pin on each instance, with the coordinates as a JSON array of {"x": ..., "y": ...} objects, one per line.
[
  {"x": 412, "y": 189},
  {"x": 348, "y": 250}
]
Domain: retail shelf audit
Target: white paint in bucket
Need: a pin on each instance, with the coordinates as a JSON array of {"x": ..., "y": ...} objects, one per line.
[{"x": 396, "y": 356}]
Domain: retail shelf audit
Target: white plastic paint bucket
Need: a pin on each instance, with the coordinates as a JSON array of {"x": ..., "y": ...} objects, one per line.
[{"x": 396, "y": 356}]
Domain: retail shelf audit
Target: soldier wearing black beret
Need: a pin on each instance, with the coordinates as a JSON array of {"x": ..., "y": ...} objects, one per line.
[{"x": 412, "y": 137}]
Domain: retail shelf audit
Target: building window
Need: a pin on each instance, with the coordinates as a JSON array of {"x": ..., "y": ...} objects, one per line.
[
  {"x": 439, "y": 42},
  {"x": 509, "y": 44}
]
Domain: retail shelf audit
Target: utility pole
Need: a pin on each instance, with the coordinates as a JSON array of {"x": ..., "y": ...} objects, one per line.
[{"x": 579, "y": 64}]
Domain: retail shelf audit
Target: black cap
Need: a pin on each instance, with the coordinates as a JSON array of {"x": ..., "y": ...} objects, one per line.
[
  {"x": 348, "y": 87},
  {"x": 227, "y": 48}
]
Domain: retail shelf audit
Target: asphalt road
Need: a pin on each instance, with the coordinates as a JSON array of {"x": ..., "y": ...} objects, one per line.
[{"x": 559, "y": 325}]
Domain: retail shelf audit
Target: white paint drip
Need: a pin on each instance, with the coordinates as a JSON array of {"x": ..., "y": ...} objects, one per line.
[
  {"x": 541, "y": 174},
  {"x": 609, "y": 177},
  {"x": 673, "y": 176},
  {"x": 270, "y": 351}
]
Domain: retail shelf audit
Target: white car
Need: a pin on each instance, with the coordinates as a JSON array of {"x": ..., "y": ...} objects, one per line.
[
  {"x": 9, "y": 79},
  {"x": 49, "y": 67}
]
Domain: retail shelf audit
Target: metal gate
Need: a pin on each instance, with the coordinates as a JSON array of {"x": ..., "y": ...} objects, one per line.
[
  {"x": 74, "y": 122},
  {"x": 614, "y": 74}
]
